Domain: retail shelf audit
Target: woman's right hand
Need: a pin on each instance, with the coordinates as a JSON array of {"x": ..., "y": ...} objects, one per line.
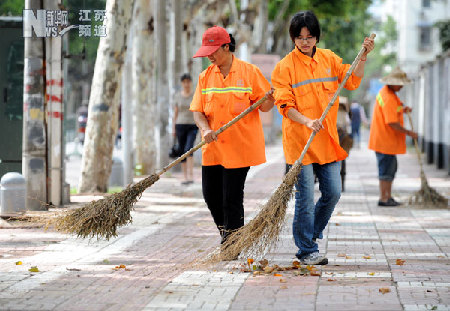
[
  {"x": 209, "y": 136},
  {"x": 314, "y": 125}
]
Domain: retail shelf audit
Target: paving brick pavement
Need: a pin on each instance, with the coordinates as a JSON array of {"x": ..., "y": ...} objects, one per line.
[{"x": 172, "y": 229}]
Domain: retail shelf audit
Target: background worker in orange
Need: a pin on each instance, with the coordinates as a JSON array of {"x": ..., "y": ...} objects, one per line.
[
  {"x": 224, "y": 90},
  {"x": 305, "y": 80},
  {"x": 387, "y": 134}
]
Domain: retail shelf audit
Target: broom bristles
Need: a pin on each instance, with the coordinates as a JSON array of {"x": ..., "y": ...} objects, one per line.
[
  {"x": 259, "y": 235},
  {"x": 101, "y": 218},
  {"x": 427, "y": 196}
]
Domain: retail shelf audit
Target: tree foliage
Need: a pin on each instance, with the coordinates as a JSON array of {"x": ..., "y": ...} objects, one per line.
[
  {"x": 84, "y": 47},
  {"x": 12, "y": 7},
  {"x": 444, "y": 34}
]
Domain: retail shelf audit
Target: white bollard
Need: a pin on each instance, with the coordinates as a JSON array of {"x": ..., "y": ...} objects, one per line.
[{"x": 13, "y": 193}]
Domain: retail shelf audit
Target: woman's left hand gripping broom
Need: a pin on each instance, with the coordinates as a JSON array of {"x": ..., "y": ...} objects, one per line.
[
  {"x": 263, "y": 230},
  {"x": 101, "y": 218}
]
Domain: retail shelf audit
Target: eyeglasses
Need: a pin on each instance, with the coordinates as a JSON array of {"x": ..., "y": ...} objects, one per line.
[{"x": 309, "y": 39}]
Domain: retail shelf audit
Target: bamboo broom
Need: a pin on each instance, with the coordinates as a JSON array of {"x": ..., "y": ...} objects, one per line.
[
  {"x": 101, "y": 218},
  {"x": 261, "y": 232},
  {"x": 426, "y": 196}
]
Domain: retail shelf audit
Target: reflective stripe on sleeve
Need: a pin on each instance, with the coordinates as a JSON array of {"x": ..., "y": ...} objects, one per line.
[{"x": 380, "y": 100}]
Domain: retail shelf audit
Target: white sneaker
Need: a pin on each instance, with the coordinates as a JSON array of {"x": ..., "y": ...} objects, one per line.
[{"x": 314, "y": 259}]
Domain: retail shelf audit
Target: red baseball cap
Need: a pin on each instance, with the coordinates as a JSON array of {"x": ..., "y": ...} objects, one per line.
[{"x": 212, "y": 40}]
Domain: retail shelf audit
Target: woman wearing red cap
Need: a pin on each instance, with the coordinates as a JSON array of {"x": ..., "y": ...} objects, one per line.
[{"x": 224, "y": 90}]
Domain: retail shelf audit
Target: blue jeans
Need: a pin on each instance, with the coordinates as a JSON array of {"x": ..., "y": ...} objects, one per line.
[{"x": 311, "y": 219}]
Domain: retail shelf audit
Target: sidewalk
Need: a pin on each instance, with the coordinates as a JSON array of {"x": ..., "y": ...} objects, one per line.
[{"x": 172, "y": 229}]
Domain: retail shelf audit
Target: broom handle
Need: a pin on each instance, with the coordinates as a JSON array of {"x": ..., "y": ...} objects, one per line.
[
  {"x": 330, "y": 104},
  {"x": 223, "y": 128},
  {"x": 416, "y": 145}
]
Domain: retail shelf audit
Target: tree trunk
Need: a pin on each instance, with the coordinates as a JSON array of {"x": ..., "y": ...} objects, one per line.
[
  {"x": 162, "y": 91},
  {"x": 259, "y": 43},
  {"x": 54, "y": 90},
  {"x": 103, "y": 102},
  {"x": 34, "y": 158},
  {"x": 143, "y": 68}
]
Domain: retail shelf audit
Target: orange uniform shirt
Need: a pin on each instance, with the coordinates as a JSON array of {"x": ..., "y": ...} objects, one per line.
[
  {"x": 308, "y": 84},
  {"x": 383, "y": 138},
  {"x": 221, "y": 100}
]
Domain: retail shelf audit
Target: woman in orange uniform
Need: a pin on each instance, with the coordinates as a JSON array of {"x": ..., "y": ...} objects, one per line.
[
  {"x": 224, "y": 90},
  {"x": 305, "y": 81}
]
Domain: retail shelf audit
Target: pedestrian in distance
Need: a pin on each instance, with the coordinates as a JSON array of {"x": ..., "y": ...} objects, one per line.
[
  {"x": 358, "y": 116},
  {"x": 387, "y": 134},
  {"x": 184, "y": 127},
  {"x": 305, "y": 80},
  {"x": 224, "y": 90}
]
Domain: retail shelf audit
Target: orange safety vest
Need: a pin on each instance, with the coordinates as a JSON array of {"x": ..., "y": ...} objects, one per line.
[
  {"x": 388, "y": 109},
  {"x": 307, "y": 85},
  {"x": 220, "y": 100}
]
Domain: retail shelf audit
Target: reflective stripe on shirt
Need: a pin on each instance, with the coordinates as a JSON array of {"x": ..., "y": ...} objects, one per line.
[
  {"x": 227, "y": 90},
  {"x": 328, "y": 79}
]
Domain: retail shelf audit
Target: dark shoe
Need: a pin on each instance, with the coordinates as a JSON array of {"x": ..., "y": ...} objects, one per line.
[
  {"x": 388, "y": 203},
  {"x": 313, "y": 259},
  {"x": 395, "y": 202}
]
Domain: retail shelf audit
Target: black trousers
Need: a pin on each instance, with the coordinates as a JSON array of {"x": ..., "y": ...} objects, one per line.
[{"x": 223, "y": 191}]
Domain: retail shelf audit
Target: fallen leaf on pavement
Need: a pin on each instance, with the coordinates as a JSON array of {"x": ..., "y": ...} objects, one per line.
[
  {"x": 256, "y": 273},
  {"x": 283, "y": 287},
  {"x": 310, "y": 268},
  {"x": 367, "y": 257},
  {"x": 73, "y": 269},
  {"x": 399, "y": 262},
  {"x": 371, "y": 273},
  {"x": 384, "y": 290},
  {"x": 341, "y": 255},
  {"x": 348, "y": 257},
  {"x": 18, "y": 263},
  {"x": 283, "y": 281},
  {"x": 314, "y": 273},
  {"x": 268, "y": 269},
  {"x": 331, "y": 280},
  {"x": 263, "y": 263},
  {"x": 277, "y": 274},
  {"x": 33, "y": 269},
  {"x": 304, "y": 271}
]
